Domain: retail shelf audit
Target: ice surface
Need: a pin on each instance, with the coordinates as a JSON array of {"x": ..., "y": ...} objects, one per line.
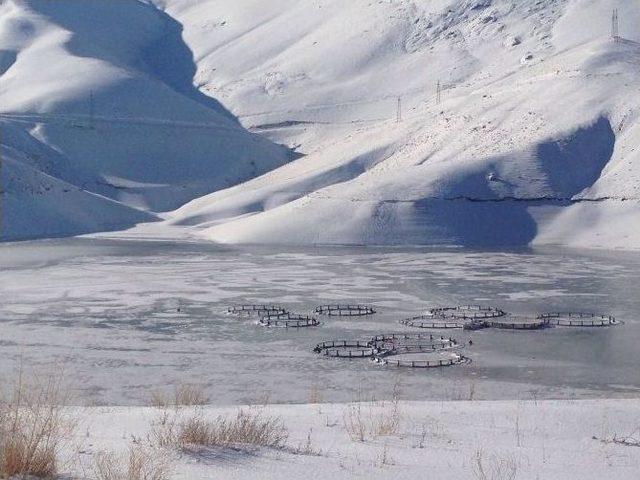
[{"x": 127, "y": 317}]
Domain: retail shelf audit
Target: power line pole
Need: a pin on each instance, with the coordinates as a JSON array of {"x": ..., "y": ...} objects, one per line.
[
  {"x": 399, "y": 110},
  {"x": 615, "y": 26},
  {"x": 91, "y": 111},
  {"x": 438, "y": 93}
]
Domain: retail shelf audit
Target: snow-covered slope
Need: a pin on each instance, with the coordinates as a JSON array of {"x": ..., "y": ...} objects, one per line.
[
  {"x": 533, "y": 139},
  {"x": 100, "y": 119}
]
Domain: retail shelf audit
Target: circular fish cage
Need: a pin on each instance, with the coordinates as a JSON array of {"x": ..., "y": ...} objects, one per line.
[
  {"x": 288, "y": 320},
  {"x": 576, "y": 319},
  {"x": 422, "y": 360},
  {"x": 405, "y": 337},
  {"x": 345, "y": 310},
  {"x": 511, "y": 322},
  {"x": 389, "y": 342},
  {"x": 346, "y": 349},
  {"x": 260, "y": 310},
  {"x": 467, "y": 312},
  {"x": 395, "y": 349},
  {"x": 433, "y": 322},
  {"x": 475, "y": 325}
]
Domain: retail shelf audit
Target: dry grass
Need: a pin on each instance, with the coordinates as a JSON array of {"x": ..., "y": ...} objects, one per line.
[
  {"x": 472, "y": 390},
  {"x": 385, "y": 459},
  {"x": 307, "y": 448},
  {"x": 382, "y": 418},
  {"x": 316, "y": 395},
  {"x": 184, "y": 395},
  {"x": 494, "y": 467},
  {"x": 386, "y": 420},
  {"x": 247, "y": 428},
  {"x": 355, "y": 423},
  {"x": 140, "y": 463},
  {"x": 429, "y": 429},
  {"x": 362, "y": 421},
  {"x": 163, "y": 431},
  {"x": 32, "y": 428}
]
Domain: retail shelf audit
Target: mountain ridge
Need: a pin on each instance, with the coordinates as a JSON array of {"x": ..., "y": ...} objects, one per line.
[{"x": 397, "y": 107}]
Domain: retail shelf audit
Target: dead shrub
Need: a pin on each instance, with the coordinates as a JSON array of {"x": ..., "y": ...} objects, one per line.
[
  {"x": 139, "y": 463},
  {"x": 247, "y": 428},
  {"x": 386, "y": 421},
  {"x": 32, "y": 428},
  {"x": 380, "y": 419},
  {"x": 307, "y": 448},
  {"x": 383, "y": 418},
  {"x": 197, "y": 431},
  {"x": 315, "y": 394},
  {"x": 355, "y": 423},
  {"x": 494, "y": 467},
  {"x": 164, "y": 431},
  {"x": 184, "y": 395}
]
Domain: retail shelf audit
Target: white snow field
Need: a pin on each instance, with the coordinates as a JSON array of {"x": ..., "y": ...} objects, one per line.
[
  {"x": 115, "y": 113},
  {"x": 551, "y": 440}
]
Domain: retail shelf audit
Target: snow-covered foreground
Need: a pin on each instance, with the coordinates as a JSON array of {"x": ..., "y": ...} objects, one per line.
[{"x": 550, "y": 440}]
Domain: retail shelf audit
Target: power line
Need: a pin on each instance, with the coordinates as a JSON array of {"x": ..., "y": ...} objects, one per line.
[
  {"x": 438, "y": 93},
  {"x": 399, "y": 110}
]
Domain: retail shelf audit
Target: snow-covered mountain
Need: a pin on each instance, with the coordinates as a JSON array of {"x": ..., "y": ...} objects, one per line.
[
  {"x": 530, "y": 137},
  {"x": 101, "y": 124}
]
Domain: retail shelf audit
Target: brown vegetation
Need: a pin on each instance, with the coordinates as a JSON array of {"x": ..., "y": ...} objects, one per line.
[
  {"x": 184, "y": 395},
  {"x": 247, "y": 428},
  {"x": 140, "y": 463},
  {"x": 32, "y": 428}
]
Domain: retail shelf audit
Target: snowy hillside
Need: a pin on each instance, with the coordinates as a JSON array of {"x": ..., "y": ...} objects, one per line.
[
  {"x": 101, "y": 124},
  {"x": 532, "y": 141}
]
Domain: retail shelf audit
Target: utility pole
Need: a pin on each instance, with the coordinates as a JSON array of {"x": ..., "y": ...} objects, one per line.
[
  {"x": 91, "y": 111},
  {"x": 399, "y": 110},
  {"x": 615, "y": 26},
  {"x": 438, "y": 93}
]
